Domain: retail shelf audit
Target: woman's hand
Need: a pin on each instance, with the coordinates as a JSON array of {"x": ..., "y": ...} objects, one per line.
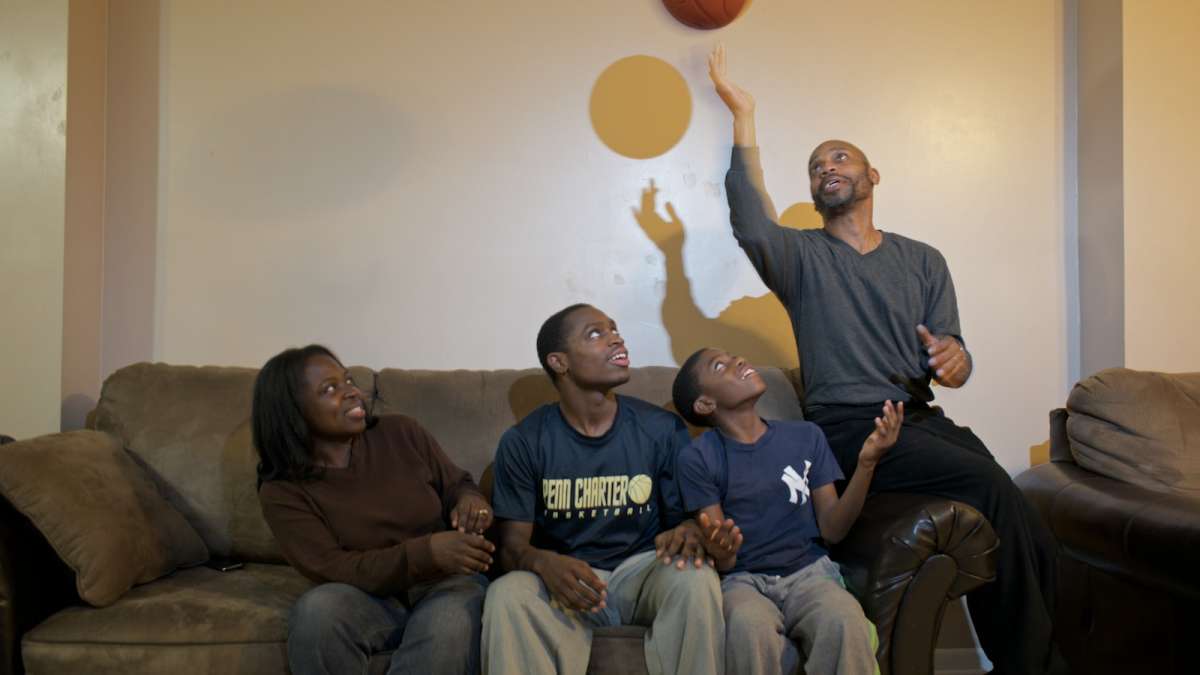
[
  {"x": 461, "y": 553},
  {"x": 471, "y": 514}
]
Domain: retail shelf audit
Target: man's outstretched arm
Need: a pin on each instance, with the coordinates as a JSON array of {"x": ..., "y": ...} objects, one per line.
[{"x": 751, "y": 211}]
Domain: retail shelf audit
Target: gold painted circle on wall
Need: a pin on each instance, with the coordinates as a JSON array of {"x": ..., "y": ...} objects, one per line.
[
  {"x": 640, "y": 106},
  {"x": 801, "y": 216}
]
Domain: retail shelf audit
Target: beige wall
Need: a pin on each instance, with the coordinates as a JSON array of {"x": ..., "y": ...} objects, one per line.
[
  {"x": 33, "y": 107},
  {"x": 1162, "y": 144},
  {"x": 127, "y": 329},
  {"x": 87, "y": 78},
  {"x": 419, "y": 185},
  {"x": 1095, "y": 229}
]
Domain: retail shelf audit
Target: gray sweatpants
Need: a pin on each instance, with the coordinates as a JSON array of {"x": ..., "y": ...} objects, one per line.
[
  {"x": 764, "y": 613},
  {"x": 524, "y": 633}
]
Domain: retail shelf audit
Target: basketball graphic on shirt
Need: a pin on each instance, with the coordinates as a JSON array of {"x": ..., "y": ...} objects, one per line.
[{"x": 639, "y": 488}]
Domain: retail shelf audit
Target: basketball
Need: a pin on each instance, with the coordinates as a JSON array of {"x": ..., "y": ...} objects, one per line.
[
  {"x": 639, "y": 488},
  {"x": 705, "y": 14}
]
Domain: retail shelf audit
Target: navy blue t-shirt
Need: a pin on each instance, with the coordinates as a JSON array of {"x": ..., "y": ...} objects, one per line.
[
  {"x": 765, "y": 488},
  {"x": 597, "y": 499}
]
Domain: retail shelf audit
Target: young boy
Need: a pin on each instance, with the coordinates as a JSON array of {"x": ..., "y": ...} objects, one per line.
[{"x": 763, "y": 494}]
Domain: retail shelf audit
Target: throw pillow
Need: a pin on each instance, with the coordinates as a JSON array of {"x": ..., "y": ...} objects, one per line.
[
  {"x": 1138, "y": 427},
  {"x": 99, "y": 510}
]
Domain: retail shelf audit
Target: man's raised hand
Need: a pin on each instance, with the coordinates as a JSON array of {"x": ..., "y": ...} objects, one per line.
[
  {"x": 951, "y": 363},
  {"x": 739, "y": 101}
]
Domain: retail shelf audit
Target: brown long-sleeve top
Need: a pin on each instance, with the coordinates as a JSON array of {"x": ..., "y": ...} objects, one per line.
[{"x": 369, "y": 524}]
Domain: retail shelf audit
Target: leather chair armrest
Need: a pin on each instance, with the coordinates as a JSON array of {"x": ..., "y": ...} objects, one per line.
[
  {"x": 34, "y": 583},
  {"x": 1150, "y": 537},
  {"x": 905, "y": 558}
]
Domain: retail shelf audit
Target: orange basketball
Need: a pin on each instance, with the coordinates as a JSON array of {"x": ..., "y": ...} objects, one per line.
[{"x": 705, "y": 14}]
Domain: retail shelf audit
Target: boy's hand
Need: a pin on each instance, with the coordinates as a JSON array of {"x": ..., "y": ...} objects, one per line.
[
  {"x": 720, "y": 539},
  {"x": 679, "y": 544},
  {"x": 887, "y": 430}
]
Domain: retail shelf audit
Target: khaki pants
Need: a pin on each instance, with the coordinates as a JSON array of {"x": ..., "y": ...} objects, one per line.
[
  {"x": 523, "y": 633},
  {"x": 765, "y": 613}
]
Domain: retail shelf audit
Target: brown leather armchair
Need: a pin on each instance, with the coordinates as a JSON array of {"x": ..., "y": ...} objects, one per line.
[
  {"x": 905, "y": 559},
  {"x": 1127, "y": 582}
]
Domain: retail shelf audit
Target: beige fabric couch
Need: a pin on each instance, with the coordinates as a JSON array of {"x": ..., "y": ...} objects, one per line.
[{"x": 189, "y": 429}]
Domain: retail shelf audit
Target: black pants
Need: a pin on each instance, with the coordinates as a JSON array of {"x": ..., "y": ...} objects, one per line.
[{"x": 1013, "y": 615}]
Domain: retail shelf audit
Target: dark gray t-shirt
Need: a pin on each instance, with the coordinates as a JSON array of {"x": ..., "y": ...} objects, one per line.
[{"x": 854, "y": 316}]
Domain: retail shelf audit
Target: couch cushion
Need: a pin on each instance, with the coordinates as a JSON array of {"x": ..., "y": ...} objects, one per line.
[
  {"x": 99, "y": 510},
  {"x": 1138, "y": 427},
  {"x": 204, "y": 621},
  {"x": 194, "y": 621}
]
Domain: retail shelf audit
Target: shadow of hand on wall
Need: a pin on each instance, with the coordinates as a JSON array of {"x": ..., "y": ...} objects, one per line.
[{"x": 757, "y": 328}]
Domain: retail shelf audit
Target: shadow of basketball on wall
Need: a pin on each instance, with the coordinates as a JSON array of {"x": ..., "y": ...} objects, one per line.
[{"x": 756, "y": 327}]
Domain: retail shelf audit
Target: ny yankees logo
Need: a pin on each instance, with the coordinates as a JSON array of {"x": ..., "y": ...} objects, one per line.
[{"x": 797, "y": 484}]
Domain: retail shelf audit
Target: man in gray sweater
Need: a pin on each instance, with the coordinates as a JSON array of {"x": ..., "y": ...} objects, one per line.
[{"x": 875, "y": 319}]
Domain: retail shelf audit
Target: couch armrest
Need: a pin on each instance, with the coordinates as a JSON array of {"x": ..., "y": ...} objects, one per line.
[
  {"x": 1060, "y": 445},
  {"x": 1150, "y": 537},
  {"x": 905, "y": 558},
  {"x": 34, "y": 583}
]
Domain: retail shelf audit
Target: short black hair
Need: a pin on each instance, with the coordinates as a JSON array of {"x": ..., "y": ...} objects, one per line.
[
  {"x": 279, "y": 430},
  {"x": 686, "y": 389},
  {"x": 552, "y": 336}
]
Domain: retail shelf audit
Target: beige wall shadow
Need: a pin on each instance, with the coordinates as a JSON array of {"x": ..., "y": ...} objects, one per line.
[{"x": 756, "y": 327}]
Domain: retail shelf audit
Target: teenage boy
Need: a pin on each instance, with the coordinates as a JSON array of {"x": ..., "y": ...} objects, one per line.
[{"x": 585, "y": 495}]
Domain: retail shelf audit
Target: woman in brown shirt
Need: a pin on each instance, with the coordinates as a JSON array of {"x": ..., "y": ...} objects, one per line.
[{"x": 375, "y": 512}]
